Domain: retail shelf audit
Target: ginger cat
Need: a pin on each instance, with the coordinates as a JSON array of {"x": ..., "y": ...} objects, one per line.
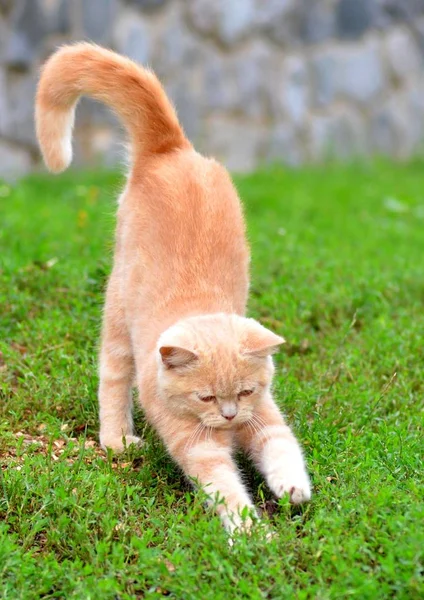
[{"x": 174, "y": 315}]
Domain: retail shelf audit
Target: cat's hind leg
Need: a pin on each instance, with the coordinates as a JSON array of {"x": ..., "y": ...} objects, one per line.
[{"x": 116, "y": 375}]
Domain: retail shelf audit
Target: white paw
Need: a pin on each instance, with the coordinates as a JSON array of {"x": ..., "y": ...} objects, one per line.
[
  {"x": 119, "y": 444},
  {"x": 295, "y": 483},
  {"x": 236, "y": 522}
]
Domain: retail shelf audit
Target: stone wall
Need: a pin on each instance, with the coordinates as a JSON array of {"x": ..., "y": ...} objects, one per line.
[{"x": 253, "y": 80}]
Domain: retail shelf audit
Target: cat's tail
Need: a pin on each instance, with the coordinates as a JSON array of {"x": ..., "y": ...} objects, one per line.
[{"x": 133, "y": 92}]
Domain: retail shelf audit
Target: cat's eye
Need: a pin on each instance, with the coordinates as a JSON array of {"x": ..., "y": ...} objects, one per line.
[
  {"x": 208, "y": 398},
  {"x": 245, "y": 393}
]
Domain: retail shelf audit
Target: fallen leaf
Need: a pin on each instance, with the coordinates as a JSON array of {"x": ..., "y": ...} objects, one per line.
[{"x": 169, "y": 565}]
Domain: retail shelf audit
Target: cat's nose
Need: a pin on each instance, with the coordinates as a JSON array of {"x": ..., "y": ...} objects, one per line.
[{"x": 228, "y": 410}]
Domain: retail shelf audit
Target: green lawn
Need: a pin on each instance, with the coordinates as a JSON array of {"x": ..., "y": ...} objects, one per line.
[{"x": 338, "y": 269}]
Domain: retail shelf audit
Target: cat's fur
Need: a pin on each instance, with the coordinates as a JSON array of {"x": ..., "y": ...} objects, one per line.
[{"x": 176, "y": 298}]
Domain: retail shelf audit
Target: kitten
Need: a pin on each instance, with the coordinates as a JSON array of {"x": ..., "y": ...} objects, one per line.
[{"x": 176, "y": 298}]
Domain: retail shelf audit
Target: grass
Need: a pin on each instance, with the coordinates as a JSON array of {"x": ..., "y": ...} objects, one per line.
[{"x": 338, "y": 270}]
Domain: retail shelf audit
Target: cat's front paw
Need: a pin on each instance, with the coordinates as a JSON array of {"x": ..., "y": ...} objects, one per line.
[
  {"x": 292, "y": 482},
  {"x": 119, "y": 444}
]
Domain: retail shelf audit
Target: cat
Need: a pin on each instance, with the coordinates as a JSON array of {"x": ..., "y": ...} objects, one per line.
[{"x": 174, "y": 315}]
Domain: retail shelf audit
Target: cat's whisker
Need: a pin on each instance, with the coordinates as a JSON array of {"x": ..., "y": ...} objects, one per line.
[
  {"x": 261, "y": 427},
  {"x": 259, "y": 420},
  {"x": 210, "y": 430},
  {"x": 190, "y": 438},
  {"x": 194, "y": 436},
  {"x": 251, "y": 428}
]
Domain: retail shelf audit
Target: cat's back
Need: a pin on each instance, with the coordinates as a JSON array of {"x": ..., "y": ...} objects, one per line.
[
  {"x": 182, "y": 181},
  {"x": 181, "y": 227},
  {"x": 183, "y": 203}
]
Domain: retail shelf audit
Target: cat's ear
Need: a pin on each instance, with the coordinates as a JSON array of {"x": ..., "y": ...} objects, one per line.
[
  {"x": 260, "y": 342},
  {"x": 174, "y": 356}
]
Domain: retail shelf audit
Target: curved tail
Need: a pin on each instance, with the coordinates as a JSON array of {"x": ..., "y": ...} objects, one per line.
[{"x": 133, "y": 92}]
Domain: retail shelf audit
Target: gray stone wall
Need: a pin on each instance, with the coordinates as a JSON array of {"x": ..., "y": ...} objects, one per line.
[{"x": 253, "y": 81}]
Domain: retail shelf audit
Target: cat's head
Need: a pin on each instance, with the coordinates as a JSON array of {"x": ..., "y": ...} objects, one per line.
[{"x": 216, "y": 367}]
